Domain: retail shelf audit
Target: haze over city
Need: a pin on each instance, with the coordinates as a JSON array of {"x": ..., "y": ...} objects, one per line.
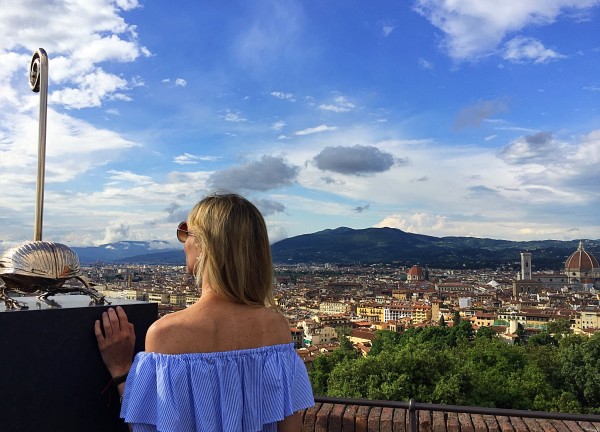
[{"x": 462, "y": 118}]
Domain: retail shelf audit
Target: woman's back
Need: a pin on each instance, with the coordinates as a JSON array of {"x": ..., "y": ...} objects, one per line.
[
  {"x": 218, "y": 366},
  {"x": 216, "y": 324}
]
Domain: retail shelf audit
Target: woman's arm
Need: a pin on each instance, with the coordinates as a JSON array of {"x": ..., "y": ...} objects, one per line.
[{"x": 116, "y": 343}]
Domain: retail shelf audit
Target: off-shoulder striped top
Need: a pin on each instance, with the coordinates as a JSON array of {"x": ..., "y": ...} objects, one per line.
[{"x": 237, "y": 391}]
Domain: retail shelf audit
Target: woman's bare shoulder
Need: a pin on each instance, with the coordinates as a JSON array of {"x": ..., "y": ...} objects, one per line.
[
  {"x": 279, "y": 325},
  {"x": 166, "y": 334}
]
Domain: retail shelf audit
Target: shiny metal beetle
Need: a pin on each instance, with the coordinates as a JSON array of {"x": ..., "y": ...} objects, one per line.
[{"x": 42, "y": 267}]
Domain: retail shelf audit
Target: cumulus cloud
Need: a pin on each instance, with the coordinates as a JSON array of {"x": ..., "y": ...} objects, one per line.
[
  {"x": 115, "y": 233},
  {"x": 539, "y": 148},
  {"x": 570, "y": 171},
  {"x": 269, "y": 172},
  {"x": 91, "y": 91},
  {"x": 234, "y": 116},
  {"x": 285, "y": 96},
  {"x": 521, "y": 49},
  {"x": 474, "y": 28},
  {"x": 276, "y": 233},
  {"x": 313, "y": 130},
  {"x": 269, "y": 207},
  {"x": 417, "y": 223},
  {"x": 101, "y": 35},
  {"x": 180, "y": 82},
  {"x": 355, "y": 160},
  {"x": 474, "y": 114},
  {"x": 190, "y": 159},
  {"x": 340, "y": 104},
  {"x": 73, "y": 147}
]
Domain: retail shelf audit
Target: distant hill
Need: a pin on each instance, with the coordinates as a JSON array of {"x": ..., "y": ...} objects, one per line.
[
  {"x": 367, "y": 246},
  {"x": 389, "y": 245},
  {"x": 139, "y": 252}
]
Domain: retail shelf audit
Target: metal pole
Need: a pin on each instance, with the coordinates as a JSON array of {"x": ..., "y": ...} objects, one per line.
[
  {"x": 38, "y": 82},
  {"x": 412, "y": 415}
]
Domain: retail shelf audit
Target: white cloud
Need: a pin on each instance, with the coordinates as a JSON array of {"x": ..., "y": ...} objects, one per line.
[
  {"x": 190, "y": 159},
  {"x": 180, "y": 82},
  {"x": 317, "y": 129},
  {"x": 285, "y": 96},
  {"x": 101, "y": 35},
  {"x": 92, "y": 89},
  {"x": 521, "y": 49},
  {"x": 474, "y": 28},
  {"x": 341, "y": 104},
  {"x": 128, "y": 176},
  {"x": 443, "y": 226},
  {"x": 278, "y": 126},
  {"x": 73, "y": 147},
  {"x": 415, "y": 223},
  {"x": 234, "y": 116},
  {"x": 387, "y": 30}
]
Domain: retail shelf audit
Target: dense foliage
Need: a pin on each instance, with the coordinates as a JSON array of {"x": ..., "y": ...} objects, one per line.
[{"x": 451, "y": 365}]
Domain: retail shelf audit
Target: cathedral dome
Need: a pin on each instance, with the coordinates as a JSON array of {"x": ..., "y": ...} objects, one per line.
[
  {"x": 416, "y": 273},
  {"x": 581, "y": 260}
]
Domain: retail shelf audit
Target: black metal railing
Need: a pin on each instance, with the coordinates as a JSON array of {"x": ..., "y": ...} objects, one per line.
[{"x": 413, "y": 407}]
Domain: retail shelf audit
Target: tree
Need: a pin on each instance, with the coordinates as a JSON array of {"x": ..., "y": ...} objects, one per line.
[
  {"x": 456, "y": 318},
  {"x": 580, "y": 369},
  {"x": 442, "y": 321},
  {"x": 542, "y": 338},
  {"x": 560, "y": 326},
  {"x": 323, "y": 365},
  {"x": 384, "y": 340},
  {"x": 485, "y": 332}
]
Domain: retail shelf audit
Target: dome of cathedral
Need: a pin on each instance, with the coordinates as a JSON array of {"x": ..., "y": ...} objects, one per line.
[
  {"x": 416, "y": 271},
  {"x": 581, "y": 260}
]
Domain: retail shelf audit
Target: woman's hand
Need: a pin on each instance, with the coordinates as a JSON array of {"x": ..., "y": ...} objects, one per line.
[{"x": 117, "y": 342}]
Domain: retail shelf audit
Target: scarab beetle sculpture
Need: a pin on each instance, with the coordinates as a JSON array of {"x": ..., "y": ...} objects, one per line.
[{"x": 41, "y": 267}]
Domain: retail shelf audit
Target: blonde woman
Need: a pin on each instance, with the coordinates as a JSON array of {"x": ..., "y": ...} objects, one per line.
[{"x": 226, "y": 363}]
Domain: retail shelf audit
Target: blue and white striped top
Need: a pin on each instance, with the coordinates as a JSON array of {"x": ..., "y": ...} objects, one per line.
[{"x": 238, "y": 391}]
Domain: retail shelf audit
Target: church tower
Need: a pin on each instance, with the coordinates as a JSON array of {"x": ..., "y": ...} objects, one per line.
[{"x": 525, "y": 266}]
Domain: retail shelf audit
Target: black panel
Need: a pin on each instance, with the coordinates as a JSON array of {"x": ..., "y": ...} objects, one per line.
[{"x": 51, "y": 372}]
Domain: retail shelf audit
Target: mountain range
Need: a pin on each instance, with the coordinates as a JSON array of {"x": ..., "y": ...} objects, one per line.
[{"x": 368, "y": 246}]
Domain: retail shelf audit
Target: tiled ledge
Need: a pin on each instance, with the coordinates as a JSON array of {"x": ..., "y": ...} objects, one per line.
[{"x": 338, "y": 417}]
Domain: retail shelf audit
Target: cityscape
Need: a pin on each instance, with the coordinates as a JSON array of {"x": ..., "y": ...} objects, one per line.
[
  {"x": 324, "y": 303},
  {"x": 454, "y": 144}
]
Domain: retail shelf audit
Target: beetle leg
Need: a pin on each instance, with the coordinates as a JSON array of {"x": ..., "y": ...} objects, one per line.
[{"x": 9, "y": 302}]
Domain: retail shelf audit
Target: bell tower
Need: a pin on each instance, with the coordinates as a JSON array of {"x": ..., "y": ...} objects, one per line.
[{"x": 525, "y": 266}]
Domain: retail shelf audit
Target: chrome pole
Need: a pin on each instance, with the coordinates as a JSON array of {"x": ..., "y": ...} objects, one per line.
[{"x": 38, "y": 82}]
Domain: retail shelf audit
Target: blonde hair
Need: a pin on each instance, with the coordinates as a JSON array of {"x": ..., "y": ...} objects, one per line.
[{"x": 235, "y": 255}]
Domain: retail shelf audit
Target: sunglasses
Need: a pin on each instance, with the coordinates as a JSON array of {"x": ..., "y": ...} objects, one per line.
[{"x": 182, "y": 232}]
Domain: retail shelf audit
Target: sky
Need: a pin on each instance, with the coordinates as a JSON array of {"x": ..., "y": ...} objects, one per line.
[{"x": 437, "y": 117}]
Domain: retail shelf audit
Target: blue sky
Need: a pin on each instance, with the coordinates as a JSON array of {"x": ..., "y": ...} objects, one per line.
[{"x": 438, "y": 117}]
